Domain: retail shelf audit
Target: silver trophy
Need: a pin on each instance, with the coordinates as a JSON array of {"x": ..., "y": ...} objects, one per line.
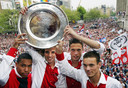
[{"x": 44, "y": 25}]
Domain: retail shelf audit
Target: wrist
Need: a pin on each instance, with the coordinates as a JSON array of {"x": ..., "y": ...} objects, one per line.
[
  {"x": 60, "y": 56},
  {"x": 12, "y": 52}
]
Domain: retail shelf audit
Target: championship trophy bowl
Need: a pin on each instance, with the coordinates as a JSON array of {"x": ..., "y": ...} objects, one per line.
[{"x": 44, "y": 25}]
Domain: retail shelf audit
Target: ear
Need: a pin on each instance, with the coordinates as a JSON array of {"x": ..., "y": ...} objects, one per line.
[
  {"x": 100, "y": 63},
  {"x": 16, "y": 64},
  {"x": 69, "y": 49}
]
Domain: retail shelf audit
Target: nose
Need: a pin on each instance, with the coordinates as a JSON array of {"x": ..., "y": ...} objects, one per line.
[
  {"x": 76, "y": 52},
  {"x": 87, "y": 68},
  {"x": 50, "y": 54},
  {"x": 26, "y": 69}
]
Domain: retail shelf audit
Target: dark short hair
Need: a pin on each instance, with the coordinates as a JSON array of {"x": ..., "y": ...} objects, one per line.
[
  {"x": 75, "y": 41},
  {"x": 23, "y": 56},
  {"x": 92, "y": 54}
]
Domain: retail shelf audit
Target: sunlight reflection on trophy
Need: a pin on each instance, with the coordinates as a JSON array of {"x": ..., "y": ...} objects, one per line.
[{"x": 44, "y": 25}]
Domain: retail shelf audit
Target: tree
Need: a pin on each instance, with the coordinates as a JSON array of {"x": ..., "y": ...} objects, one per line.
[
  {"x": 104, "y": 16},
  {"x": 92, "y": 14},
  {"x": 71, "y": 14},
  {"x": 8, "y": 20},
  {"x": 113, "y": 13},
  {"x": 81, "y": 11}
]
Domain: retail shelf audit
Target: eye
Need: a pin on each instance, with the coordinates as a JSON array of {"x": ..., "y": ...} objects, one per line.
[
  {"x": 79, "y": 50},
  {"x": 72, "y": 50},
  {"x": 53, "y": 52},
  {"x": 29, "y": 65},
  {"x": 46, "y": 52},
  {"x": 91, "y": 65},
  {"x": 23, "y": 65},
  {"x": 85, "y": 65}
]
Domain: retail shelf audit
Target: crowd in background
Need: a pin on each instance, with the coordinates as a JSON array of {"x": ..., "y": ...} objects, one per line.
[
  {"x": 96, "y": 30},
  {"x": 6, "y": 40}
]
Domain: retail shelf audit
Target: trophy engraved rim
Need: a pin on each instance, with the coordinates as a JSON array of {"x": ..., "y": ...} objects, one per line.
[{"x": 44, "y": 25}]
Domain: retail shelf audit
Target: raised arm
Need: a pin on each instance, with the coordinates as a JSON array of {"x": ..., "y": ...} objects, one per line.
[
  {"x": 92, "y": 43},
  {"x": 7, "y": 60},
  {"x": 65, "y": 67}
]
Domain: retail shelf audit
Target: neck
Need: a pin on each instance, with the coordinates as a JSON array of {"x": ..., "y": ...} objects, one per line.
[
  {"x": 75, "y": 63},
  {"x": 95, "y": 79},
  {"x": 52, "y": 65}
]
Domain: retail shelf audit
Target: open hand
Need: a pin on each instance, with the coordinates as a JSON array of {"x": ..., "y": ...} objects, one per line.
[
  {"x": 24, "y": 10},
  {"x": 19, "y": 40}
]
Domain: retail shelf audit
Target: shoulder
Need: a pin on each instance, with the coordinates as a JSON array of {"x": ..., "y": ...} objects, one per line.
[
  {"x": 29, "y": 76},
  {"x": 66, "y": 53},
  {"x": 113, "y": 83},
  {"x": 67, "y": 56}
]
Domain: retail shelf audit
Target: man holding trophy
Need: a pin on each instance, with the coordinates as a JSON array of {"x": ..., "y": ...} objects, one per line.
[{"x": 45, "y": 68}]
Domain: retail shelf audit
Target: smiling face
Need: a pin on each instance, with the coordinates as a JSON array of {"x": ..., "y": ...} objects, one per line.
[
  {"x": 50, "y": 55},
  {"x": 91, "y": 67},
  {"x": 24, "y": 67},
  {"x": 75, "y": 51}
]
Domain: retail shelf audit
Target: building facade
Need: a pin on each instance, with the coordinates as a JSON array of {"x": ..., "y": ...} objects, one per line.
[
  {"x": 122, "y": 13},
  {"x": 7, "y": 4},
  {"x": 121, "y": 5},
  {"x": 16, "y": 4}
]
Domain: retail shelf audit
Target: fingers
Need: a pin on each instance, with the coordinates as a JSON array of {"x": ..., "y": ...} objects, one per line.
[
  {"x": 67, "y": 27},
  {"x": 66, "y": 30},
  {"x": 60, "y": 43},
  {"x": 24, "y": 10},
  {"x": 19, "y": 36},
  {"x": 65, "y": 33},
  {"x": 59, "y": 47},
  {"x": 19, "y": 40}
]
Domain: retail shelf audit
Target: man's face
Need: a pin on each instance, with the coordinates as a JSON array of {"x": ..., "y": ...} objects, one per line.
[
  {"x": 91, "y": 67},
  {"x": 24, "y": 67},
  {"x": 50, "y": 55},
  {"x": 75, "y": 51}
]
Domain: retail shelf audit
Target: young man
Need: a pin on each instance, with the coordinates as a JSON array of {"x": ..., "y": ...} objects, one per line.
[
  {"x": 75, "y": 55},
  {"x": 76, "y": 51},
  {"x": 18, "y": 77},
  {"x": 90, "y": 76},
  {"x": 45, "y": 71}
]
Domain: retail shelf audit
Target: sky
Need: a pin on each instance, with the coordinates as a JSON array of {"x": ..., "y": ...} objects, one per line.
[{"x": 88, "y": 4}]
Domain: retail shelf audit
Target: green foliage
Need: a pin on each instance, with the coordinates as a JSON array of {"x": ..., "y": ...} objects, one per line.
[
  {"x": 8, "y": 20},
  {"x": 104, "y": 16},
  {"x": 72, "y": 15},
  {"x": 113, "y": 13},
  {"x": 92, "y": 14},
  {"x": 81, "y": 11},
  {"x": 81, "y": 14}
]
